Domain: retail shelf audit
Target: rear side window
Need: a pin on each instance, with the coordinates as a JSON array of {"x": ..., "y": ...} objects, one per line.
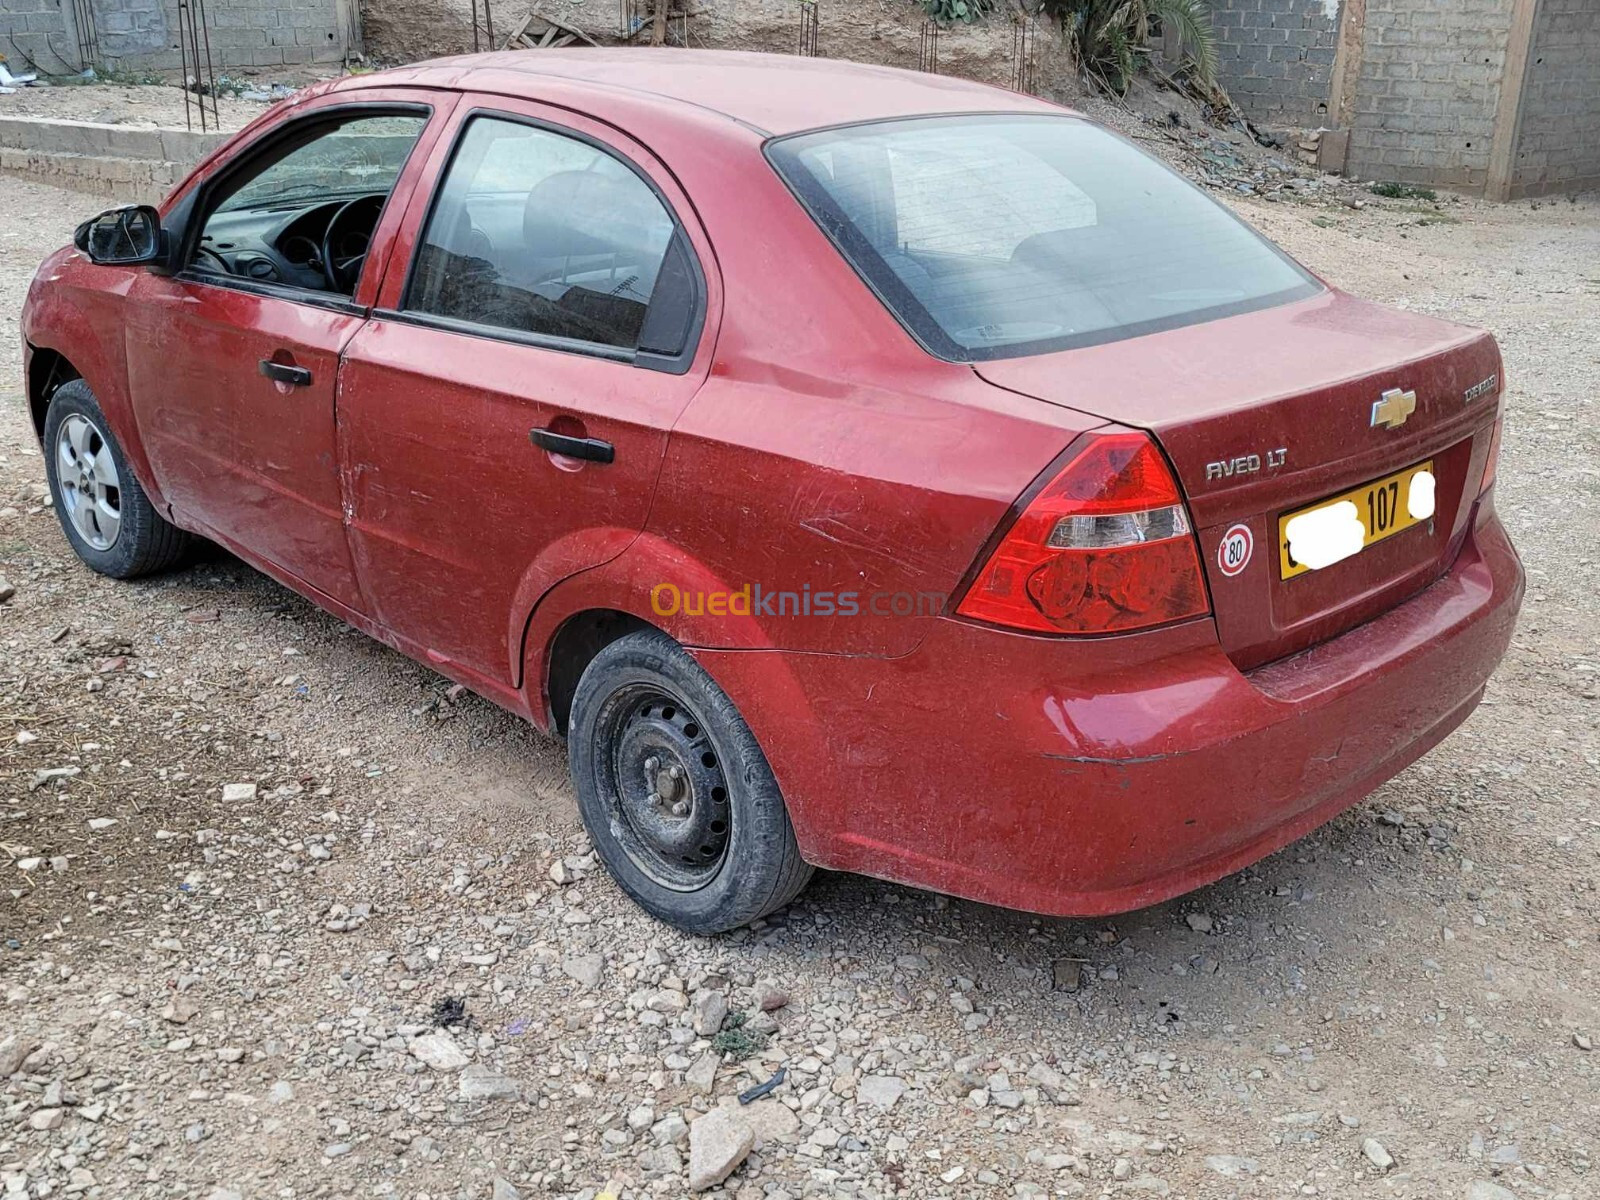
[
  {"x": 1000, "y": 236},
  {"x": 543, "y": 234}
]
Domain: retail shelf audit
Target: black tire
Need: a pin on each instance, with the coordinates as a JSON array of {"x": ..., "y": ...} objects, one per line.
[
  {"x": 145, "y": 542},
  {"x": 643, "y": 694}
]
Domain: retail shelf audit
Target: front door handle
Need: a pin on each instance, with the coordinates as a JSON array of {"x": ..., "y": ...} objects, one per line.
[
  {"x": 286, "y": 373},
  {"x": 592, "y": 449}
]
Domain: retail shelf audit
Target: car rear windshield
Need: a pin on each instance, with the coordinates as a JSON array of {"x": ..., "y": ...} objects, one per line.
[{"x": 1002, "y": 236}]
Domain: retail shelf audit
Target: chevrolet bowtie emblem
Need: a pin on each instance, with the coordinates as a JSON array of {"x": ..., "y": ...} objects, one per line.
[{"x": 1391, "y": 411}]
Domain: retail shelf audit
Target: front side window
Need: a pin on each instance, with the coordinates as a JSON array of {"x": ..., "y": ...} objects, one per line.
[
  {"x": 539, "y": 233},
  {"x": 999, "y": 236},
  {"x": 304, "y": 213}
]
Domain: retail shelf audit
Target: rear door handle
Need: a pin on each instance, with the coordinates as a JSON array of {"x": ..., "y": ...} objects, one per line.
[
  {"x": 592, "y": 449},
  {"x": 286, "y": 373}
]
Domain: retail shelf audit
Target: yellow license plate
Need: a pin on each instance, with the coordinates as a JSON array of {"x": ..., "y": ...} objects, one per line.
[{"x": 1334, "y": 529}]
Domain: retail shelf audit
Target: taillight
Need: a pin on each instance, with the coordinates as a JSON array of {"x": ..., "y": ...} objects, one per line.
[
  {"x": 1492, "y": 462},
  {"x": 1105, "y": 547}
]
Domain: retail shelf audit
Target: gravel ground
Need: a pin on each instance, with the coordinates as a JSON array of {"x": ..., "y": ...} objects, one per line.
[{"x": 286, "y": 916}]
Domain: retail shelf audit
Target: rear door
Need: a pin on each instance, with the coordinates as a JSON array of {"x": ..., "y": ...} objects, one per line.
[{"x": 504, "y": 415}]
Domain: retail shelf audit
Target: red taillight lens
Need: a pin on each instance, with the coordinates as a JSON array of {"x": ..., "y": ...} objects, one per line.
[
  {"x": 1492, "y": 462},
  {"x": 1104, "y": 547}
]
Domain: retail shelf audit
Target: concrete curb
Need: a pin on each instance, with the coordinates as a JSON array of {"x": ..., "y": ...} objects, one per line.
[{"x": 131, "y": 164}]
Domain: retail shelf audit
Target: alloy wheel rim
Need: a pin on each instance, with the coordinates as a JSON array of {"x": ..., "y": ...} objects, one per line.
[
  {"x": 89, "y": 485},
  {"x": 666, "y": 788}
]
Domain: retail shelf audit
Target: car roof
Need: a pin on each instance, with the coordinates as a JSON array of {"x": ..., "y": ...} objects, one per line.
[{"x": 772, "y": 93}]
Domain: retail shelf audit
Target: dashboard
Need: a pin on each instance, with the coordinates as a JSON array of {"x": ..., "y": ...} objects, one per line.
[{"x": 320, "y": 246}]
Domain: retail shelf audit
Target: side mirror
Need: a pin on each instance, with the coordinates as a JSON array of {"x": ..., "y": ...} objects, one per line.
[{"x": 121, "y": 236}]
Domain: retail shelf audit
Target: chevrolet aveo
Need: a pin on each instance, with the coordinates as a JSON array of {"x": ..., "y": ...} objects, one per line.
[{"x": 858, "y": 468}]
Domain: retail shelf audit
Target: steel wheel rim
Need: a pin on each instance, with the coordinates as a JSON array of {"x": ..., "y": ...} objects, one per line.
[
  {"x": 89, "y": 485},
  {"x": 663, "y": 785}
]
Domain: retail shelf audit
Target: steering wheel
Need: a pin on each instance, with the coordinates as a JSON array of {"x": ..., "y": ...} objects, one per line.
[
  {"x": 345, "y": 242},
  {"x": 208, "y": 259}
]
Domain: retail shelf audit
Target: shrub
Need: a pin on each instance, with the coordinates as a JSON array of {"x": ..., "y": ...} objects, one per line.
[{"x": 1108, "y": 36}]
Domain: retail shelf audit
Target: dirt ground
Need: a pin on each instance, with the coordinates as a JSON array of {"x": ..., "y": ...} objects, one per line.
[
  {"x": 220, "y": 996},
  {"x": 141, "y": 106}
]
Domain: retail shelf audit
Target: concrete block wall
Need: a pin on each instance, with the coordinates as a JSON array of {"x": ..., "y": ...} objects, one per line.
[
  {"x": 1275, "y": 57},
  {"x": 142, "y": 35},
  {"x": 1558, "y": 145},
  {"x": 1428, "y": 91},
  {"x": 135, "y": 165}
]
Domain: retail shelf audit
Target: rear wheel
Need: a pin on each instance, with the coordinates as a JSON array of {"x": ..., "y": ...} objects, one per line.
[
  {"x": 674, "y": 791},
  {"x": 105, "y": 514}
]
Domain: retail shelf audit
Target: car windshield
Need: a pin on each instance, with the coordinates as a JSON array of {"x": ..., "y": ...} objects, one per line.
[{"x": 1001, "y": 236}]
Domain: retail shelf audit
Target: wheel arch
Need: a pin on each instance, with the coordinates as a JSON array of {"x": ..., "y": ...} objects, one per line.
[
  {"x": 47, "y": 370},
  {"x": 586, "y": 611},
  {"x": 576, "y": 641}
]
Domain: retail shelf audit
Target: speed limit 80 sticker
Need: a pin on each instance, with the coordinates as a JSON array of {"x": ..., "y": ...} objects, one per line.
[{"x": 1235, "y": 549}]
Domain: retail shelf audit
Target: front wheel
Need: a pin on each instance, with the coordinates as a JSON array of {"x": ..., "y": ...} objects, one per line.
[
  {"x": 105, "y": 514},
  {"x": 676, "y": 795}
]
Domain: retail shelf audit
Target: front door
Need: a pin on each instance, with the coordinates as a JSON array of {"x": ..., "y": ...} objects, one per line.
[
  {"x": 504, "y": 415},
  {"x": 233, "y": 362}
]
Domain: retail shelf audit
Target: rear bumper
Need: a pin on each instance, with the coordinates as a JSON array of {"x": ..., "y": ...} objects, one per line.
[{"x": 1092, "y": 777}]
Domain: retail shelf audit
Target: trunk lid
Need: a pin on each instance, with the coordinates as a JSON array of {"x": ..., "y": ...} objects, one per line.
[{"x": 1268, "y": 412}]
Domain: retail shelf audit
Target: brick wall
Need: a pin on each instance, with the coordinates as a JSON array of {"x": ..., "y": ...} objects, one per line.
[
  {"x": 1559, "y": 145},
  {"x": 1425, "y": 102},
  {"x": 139, "y": 35},
  {"x": 1275, "y": 57}
]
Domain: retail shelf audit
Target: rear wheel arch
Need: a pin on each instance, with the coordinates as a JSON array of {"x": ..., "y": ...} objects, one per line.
[{"x": 576, "y": 641}]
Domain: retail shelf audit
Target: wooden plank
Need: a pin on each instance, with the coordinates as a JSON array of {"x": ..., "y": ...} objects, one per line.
[{"x": 516, "y": 36}]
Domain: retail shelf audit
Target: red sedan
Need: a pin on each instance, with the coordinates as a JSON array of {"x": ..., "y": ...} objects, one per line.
[{"x": 858, "y": 468}]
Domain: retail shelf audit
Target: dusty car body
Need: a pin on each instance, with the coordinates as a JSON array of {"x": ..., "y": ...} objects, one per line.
[{"x": 786, "y": 468}]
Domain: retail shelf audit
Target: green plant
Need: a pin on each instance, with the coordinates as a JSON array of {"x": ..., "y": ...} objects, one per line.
[
  {"x": 947, "y": 12},
  {"x": 1108, "y": 36},
  {"x": 1403, "y": 191},
  {"x": 736, "y": 1041}
]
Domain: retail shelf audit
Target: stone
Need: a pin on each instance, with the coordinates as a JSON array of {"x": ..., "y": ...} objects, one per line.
[
  {"x": 1067, "y": 975},
  {"x": 479, "y": 1082},
  {"x": 503, "y": 1190},
  {"x": 770, "y": 997},
  {"x": 1232, "y": 1165},
  {"x": 45, "y": 1118},
  {"x": 666, "y": 1001},
  {"x": 585, "y": 968},
  {"x": 1376, "y": 1154},
  {"x": 880, "y": 1091},
  {"x": 336, "y": 1149},
  {"x": 1482, "y": 1189},
  {"x": 772, "y": 1121},
  {"x": 236, "y": 793},
  {"x": 438, "y": 1050},
  {"x": 1582, "y": 1041},
  {"x": 718, "y": 1143},
  {"x": 670, "y": 1128},
  {"x": 6, "y": 590},
  {"x": 708, "y": 1009},
  {"x": 101, "y": 824},
  {"x": 13, "y": 1051},
  {"x": 702, "y": 1074},
  {"x": 1199, "y": 922},
  {"x": 230, "y": 1054},
  {"x": 281, "y": 1092},
  {"x": 180, "y": 1010}
]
